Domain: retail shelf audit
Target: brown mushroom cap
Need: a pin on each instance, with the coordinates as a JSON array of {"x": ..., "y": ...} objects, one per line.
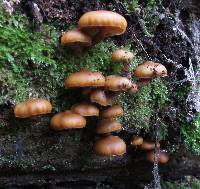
[
  {"x": 85, "y": 78},
  {"x": 100, "y": 97},
  {"x": 67, "y": 120},
  {"x": 32, "y": 107},
  {"x": 102, "y": 22},
  {"x": 85, "y": 109},
  {"x": 122, "y": 55},
  {"x": 108, "y": 126},
  {"x": 75, "y": 38},
  {"x": 136, "y": 140},
  {"x": 112, "y": 111},
  {"x": 150, "y": 69},
  {"x": 162, "y": 158},
  {"x": 109, "y": 146},
  {"x": 134, "y": 89},
  {"x": 117, "y": 83},
  {"x": 148, "y": 145}
]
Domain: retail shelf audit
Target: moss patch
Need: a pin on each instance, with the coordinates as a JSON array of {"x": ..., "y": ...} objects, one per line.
[{"x": 140, "y": 107}]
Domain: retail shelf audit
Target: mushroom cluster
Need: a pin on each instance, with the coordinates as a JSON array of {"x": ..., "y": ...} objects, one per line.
[
  {"x": 99, "y": 91},
  {"x": 93, "y": 27}
]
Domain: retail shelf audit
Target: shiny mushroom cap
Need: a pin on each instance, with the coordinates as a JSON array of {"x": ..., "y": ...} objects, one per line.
[
  {"x": 103, "y": 23},
  {"x": 107, "y": 126},
  {"x": 117, "y": 83},
  {"x": 148, "y": 145},
  {"x": 136, "y": 140},
  {"x": 150, "y": 69},
  {"x": 75, "y": 38},
  {"x": 85, "y": 78},
  {"x": 112, "y": 111},
  {"x": 32, "y": 107},
  {"x": 100, "y": 97},
  {"x": 134, "y": 89},
  {"x": 122, "y": 55},
  {"x": 162, "y": 158},
  {"x": 85, "y": 109},
  {"x": 110, "y": 146},
  {"x": 67, "y": 120}
]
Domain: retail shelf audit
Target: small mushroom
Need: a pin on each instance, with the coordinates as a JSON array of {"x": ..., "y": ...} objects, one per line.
[
  {"x": 150, "y": 69},
  {"x": 112, "y": 111},
  {"x": 110, "y": 146},
  {"x": 107, "y": 126},
  {"x": 100, "y": 97},
  {"x": 85, "y": 78},
  {"x": 85, "y": 109},
  {"x": 32, "y": 107},
  {"x": 124, "y": 56},
  {"x": 136, "y": 140},
  {"x": 134, "y": 89},
  {"x": 75, "y": 38},
  {"x": 117, "y": 83},
  {"x": 67, "y": 120},
  {"x": 149, "y": 145},
  {"x": 102, "y": 23},
  {"x": 163, "y": 157}
]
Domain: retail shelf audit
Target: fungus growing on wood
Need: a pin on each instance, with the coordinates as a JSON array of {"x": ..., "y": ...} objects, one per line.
[
  {"x": 67, "y": 120},
  {"x": 85, "y": 109},
  {"x": 136, "y": 140},
  {"x": 110, "y": 146},
  {"x": 75, "y": 38},
  {"x": 163, "y": 157},
  {"x": 134, "y": 89},
  {"x": 150, "y": 69},
  {"x": 32, "y": 107},
  {"x": 149, "y": 145},
  {"x": 85, "y": 78},
  {"x": 117, "y": 83},
  {"x": 112, "y": 111},
  {"x": 102, "y": 23},
  {"x": 107, "y": 126},
  {"x": 100, "y": 97}
]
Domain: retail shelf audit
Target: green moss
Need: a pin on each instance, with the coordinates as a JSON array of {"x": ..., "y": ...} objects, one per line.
[
  {"x": 132, "y": 5},
  {"x": 140, "y": 107},
  {"x": 35, "y": 65},
  {"x": 193, "y": 184},
  {"x": 191, "y": 135}
]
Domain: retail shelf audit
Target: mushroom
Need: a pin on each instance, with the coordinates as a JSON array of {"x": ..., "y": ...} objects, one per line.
[
  {"x": 32, "y": 107},
  {"x": 134, "y": 89},
  {"x": 67, "y": 120},
  {"x": 163, "y": 157},
  {"x": 112, "y": 111},
  {"x": 110, "y": 146},
  {"x": 150, "y": 69},
  {"x": 75, "y": 38},
  {"x": 136, "y": 140},
  {"x": 102, "y": 23},
  {"x": 149, "y": 145},
  {"x": 85, "y": 78},
  {"x": 85, "y": 109},
  {"x": 100, "y": 97},
  {"x": 124, "y": 56},
  {"x": 107, "y": 126},
  {"x": 117, "y": 83}
]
